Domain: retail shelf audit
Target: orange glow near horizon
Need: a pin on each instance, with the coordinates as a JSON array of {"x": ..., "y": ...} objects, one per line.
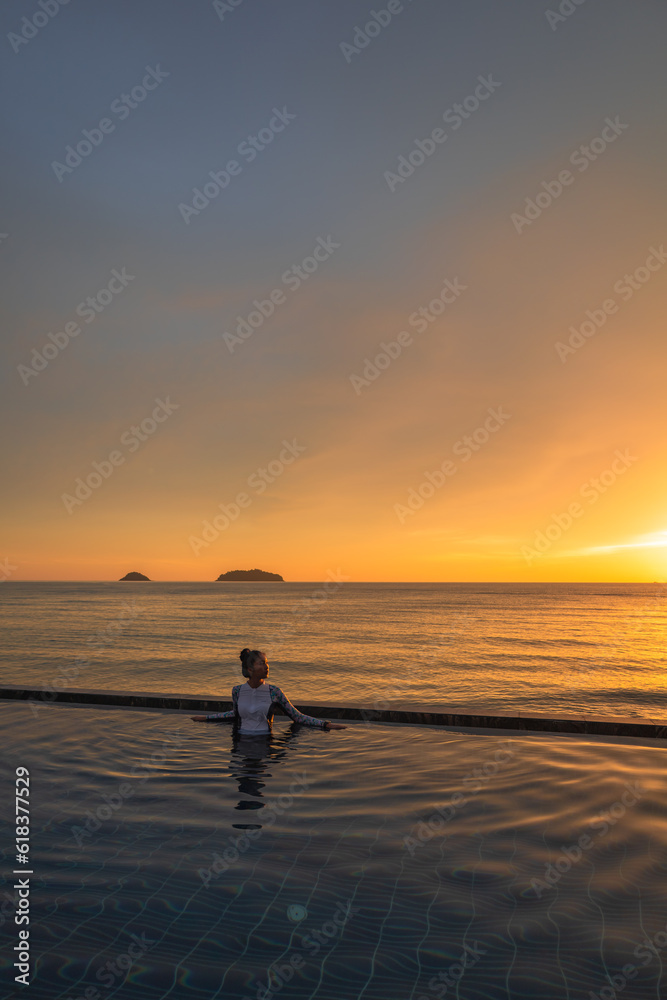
[
  {"x": 479, "y": 450},
  {"x": 344, "y": 502}
]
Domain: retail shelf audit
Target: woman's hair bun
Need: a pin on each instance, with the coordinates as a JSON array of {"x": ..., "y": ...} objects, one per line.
[{"x": 247, "y": 658}]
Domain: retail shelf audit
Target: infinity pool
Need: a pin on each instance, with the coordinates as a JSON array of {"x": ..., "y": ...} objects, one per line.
[{"x": 174, "y": 860}]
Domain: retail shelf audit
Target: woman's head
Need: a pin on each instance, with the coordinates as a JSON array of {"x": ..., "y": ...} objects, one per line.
[{"x": 248, "y": 658}]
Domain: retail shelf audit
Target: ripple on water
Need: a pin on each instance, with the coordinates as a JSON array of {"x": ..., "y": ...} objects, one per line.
[{"x": 404, "y": 824}]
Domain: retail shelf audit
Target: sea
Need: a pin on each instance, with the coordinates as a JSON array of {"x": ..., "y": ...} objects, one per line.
[
  {"x": 539, "y": 859},
  {"x": 559, "y": 648}
]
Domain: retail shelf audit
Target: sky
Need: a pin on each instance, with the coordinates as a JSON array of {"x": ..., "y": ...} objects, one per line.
[{"x": 376, "y": 290}]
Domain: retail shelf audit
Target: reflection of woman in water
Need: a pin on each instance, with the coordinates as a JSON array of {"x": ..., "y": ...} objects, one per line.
[
  {"x": 254, "y": 701},
  {"x": 252, "y": 762}
]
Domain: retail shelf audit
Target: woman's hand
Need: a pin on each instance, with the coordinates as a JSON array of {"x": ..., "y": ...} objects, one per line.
[
  {"x": 334, "y": 725},
  {"x": 198, "y": 718}
]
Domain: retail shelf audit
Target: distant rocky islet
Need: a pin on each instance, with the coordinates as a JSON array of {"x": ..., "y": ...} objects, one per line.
[
  {"x": 251, "y": 575},
  {"x": 232, "y": 575}
]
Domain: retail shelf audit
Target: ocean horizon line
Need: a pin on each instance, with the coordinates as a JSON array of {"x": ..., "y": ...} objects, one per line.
[{"x": 537, "y": 583}]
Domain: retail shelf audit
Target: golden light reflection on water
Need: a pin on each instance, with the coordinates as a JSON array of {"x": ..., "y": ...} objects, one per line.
[{"x": 569, "y": 649}]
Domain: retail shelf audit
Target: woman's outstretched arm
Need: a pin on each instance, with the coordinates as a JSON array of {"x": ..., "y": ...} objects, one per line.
[
  {"x": 281, "y": 699},
  {"x": 231, "y": 714},
  {"x": 216, "y": 715}
]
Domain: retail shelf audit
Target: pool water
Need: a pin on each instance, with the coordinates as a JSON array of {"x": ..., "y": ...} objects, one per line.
[{"x": 173, "y": 859}]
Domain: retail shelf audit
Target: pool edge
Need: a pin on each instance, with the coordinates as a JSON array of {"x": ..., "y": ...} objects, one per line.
[{"x": 415, "y": 715}]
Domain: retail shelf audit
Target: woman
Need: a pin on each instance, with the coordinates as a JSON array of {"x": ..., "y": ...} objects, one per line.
[{"x": 254, "y": 701}]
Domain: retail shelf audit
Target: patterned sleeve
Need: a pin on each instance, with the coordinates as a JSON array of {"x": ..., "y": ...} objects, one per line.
[
  {"x": 231, "y": 714},
  {"x": 296, "y": 716}
]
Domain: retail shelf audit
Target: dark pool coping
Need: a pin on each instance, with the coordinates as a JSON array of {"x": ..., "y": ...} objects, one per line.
[{"x": 422, "y": 715}]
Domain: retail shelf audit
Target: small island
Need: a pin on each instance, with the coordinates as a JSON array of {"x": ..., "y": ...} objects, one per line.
[
  {"x": 251, "y": 575},
  {"x": 134, "y": 576}
]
